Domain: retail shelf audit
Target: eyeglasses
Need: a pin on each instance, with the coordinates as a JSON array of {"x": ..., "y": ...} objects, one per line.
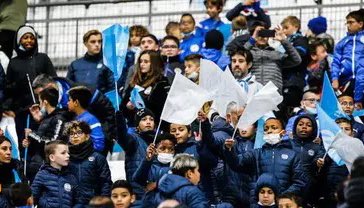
[
  {"x": 312, "y": 100},
  {"x": 169, "y": 46},
  {"x": 347, "y": 103},
  {"x": 76, "y": 133}
]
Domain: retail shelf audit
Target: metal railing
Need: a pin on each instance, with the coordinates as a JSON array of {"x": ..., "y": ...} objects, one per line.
[{"x": 61, "y": 25}]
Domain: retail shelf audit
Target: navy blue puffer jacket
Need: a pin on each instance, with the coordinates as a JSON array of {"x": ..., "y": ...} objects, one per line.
[
  {"x": 92, "y": 172},
  {"x": 179, "y": 188},
  {"x": 54, "y": 188},
  {"x": 150, "y": 171},
  {"x": 279, "y": 160}
]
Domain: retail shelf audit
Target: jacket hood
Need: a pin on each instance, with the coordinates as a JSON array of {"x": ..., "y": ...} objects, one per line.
[
  {"x": 171, "y": 183},
  {"x": 220, "y": 124},
  {"x": 53, "y": 170},
  {"x": 211, "y": 54},
  {"x": 22, "y": 30},
  {"x": 314, "y": 127},
  {"x": 267, "y": 180}
]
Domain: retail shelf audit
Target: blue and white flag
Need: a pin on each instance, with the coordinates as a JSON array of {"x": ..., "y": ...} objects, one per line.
[
  {"x": 114, "y": 47},
  {"x": 329, "y": 132},
  {"x": 114, "y": 98},
  {"x": 14, "y": 145},
  {"x": 136, "y": 99},
  {"x": 329, "y": 102},
  {"x": 259, "y": 141}
]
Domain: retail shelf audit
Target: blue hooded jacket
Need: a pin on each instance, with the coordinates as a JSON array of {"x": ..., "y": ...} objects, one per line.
[
  {"x": 269, "y": 181},
  {"x": 150, "y": 171},
  {"x": 348, "y": 63},
  {"x": 216, "y": 56},
  {"x": 191, "y": 45}
]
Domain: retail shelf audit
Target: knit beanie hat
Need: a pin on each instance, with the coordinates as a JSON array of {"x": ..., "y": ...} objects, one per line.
[
  {"x": 318, "y": 25},
  {"x": 141, "y": 113},
  {"x": 214, "y": 39},
  {"x": 24, "y": 30}
]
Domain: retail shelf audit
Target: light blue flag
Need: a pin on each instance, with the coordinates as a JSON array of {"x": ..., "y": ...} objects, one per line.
[
  {"x": 112, "y": 95},
  {"x": 358, "y": 113},
  {"x": 329, "y": 102},
  {"x": 329, "y": 131},
  {"x": 259, "y": 142},
  {"x": 114, "y": 47},
  {"x": 14, "y": 145},
  {"x": 136, "y": 99}
]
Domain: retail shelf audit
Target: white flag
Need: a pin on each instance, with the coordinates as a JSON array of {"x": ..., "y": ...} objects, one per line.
[
  {"x": 184, "y": 100},
  {"x": 264, "y": 101},
  {"x": 347, "y": 148},
  {"x": 224, "y": 86}
]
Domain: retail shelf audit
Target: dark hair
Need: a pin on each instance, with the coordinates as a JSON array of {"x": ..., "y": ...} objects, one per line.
[
  {"x": 171, "y": 25},
  {"x": 357, "y": 170},
  {"x": 188, "y": 15},
  {"x": 277, "y": 119},
  {"x": 243, "y": 52},
  {"x": 42, "y": 81},
  {"x": 292, "y": 197},
  {"x": 193, "y": 57},
  {"x": 100, "y": 202},
  {"x": 344, "y": 95},
  {"x": 89, "y": 33},
  {"x": 165, "y": 136},
  {"x": 3, "y": 139},
  {"x": 85, "y": 127},
  {"x": 140, "y": 30},
  {"x": 358, "y": 15},
  {"x": 311, "y": 90},
  {"x": 155, "y": 39},
  {"x": 170, "y": 37},
  {"x": 51, "y": 95},
  {"x": 82, "y": 94},
  {"x": 218, "y": 3},
  {"x": 312, "y": 47},
  {"x": 155, "y": 73},
  {"x": 122, "y": 184},
  {"x": 19, "y": 194},
  {"x": 344, "y": 120},
  {"x": 50, "y": 147},
  {"x": 256, "y": 24}
]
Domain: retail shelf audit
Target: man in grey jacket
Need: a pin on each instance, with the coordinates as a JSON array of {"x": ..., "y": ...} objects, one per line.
[{"x": 268, "y": 63}]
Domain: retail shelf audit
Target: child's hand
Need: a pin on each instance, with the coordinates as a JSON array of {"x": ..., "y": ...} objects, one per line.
[
  {"x": 35, "y": 111},
  {"x": 229, "y": 143},
  {"x": 25, "y": 143},
  {"x": 320, "y": 162},
  {"x": 335, "y": 84},
  {"x": 256, "y": 32},
  {"x": 27, "y": 132},
  {"x": 151, "y": 151},
  {"x": 280, "y": 36}
]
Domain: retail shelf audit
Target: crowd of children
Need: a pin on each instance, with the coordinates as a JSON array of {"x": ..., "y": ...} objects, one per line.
[{"x": 67, "y": 126}]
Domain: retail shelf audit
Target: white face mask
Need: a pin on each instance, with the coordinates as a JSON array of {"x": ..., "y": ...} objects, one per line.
[
  {"x": 165, "y": 158},
  {"x": 272, "y": 138},
  {"x": 311, "y": 110},
  {"x": 193, "y": 76}
]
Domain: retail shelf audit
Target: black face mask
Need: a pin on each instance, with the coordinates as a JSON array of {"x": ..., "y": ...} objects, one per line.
[{"x": 148, "y": 136}]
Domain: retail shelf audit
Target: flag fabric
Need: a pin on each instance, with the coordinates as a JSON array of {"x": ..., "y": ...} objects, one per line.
[
  {"x": 358, "y": 113},
  {"x": 259, "y": 142},
  {"x": 136, "y": 99},
  {"x": 114, "y": 47},
  {"x": 264, "y": 101},
  {"x": 113, "y": 95},
  {"x": 184, "y": 100},
  {"x": 223, "y": 86},
  {"x": 329, "y": 132},
  {"x": 329, "y": 102},
  {"x": 348, "y": 148},
  {"x": 7, "y": 124}
]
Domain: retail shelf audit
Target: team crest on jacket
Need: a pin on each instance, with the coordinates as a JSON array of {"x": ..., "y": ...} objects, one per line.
[
  {"x": 194, "y": 48},
  {"x": 284, "y": 156},
  {"x": 311, "y": 152},
  {"x": 67, "y": 187},
  {"x": 99, "y": 65},
  {"x": 91, "y": 158}
]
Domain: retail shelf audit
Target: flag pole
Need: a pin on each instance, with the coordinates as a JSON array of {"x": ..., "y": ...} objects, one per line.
[
  {"x": 28, "y": 124},
  {"x": 236, "y": 128},
  {"x": 156, "y": 133},
  {"x": 116, "y": 95}
]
